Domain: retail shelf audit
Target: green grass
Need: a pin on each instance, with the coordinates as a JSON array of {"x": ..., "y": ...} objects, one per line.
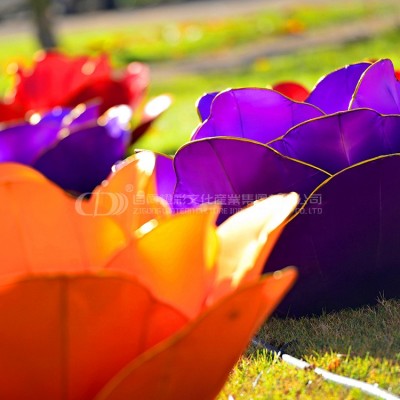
[
  {"x": 180, "y": 40},
  {"x": 362, "y": 343},
  {"x": 177, "y": 40}
]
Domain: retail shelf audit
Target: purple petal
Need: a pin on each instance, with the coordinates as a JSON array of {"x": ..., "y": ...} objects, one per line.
[
  {"x": 164, "y": 174},
  {"x": 82, "y": 114},
  {"x": 257, "y": 114},
  {"x": 333, "y": 93},
  {"x": 236, "y": 172},
  {"x": 204, "y": 105},
  {"x": 337, "y": 141},
  {"x": 24, "y": 143},
  {"x": 345, "y": 242},
  {"x": 56, "y": 115},
  {"x": 165, "y": 177},
  {"x": 83, "y": 158},
  {"x": 378, "y": 89}
]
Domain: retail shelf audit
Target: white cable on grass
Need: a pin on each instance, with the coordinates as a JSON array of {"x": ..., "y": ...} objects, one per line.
[{"x": 373, "y": 390}]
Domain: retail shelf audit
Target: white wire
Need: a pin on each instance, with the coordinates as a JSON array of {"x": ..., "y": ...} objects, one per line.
[
  {"x": 342, "y": 380},
  {"x": 373, "y": 390}
]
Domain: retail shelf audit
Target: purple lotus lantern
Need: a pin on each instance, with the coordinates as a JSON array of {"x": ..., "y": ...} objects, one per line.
[{"x": 339, "y": 149}]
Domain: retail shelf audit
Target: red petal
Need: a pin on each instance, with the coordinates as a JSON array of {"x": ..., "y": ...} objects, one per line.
[
  {"x": 55, "y": 78},
  {"x": 293, "y": 90}
]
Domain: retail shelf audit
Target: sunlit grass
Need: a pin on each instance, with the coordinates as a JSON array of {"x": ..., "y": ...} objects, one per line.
[
  {"x": 177, "y": 40},
  {"x": 362, "y": 343}
]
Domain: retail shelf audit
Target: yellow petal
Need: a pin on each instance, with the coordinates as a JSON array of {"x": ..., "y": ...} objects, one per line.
[
  {"x": 247, "y": 238},
  {"x": 174, "y": 258},
  {"x": 129, "y": 194},
  {"x": 195, "y": 362}
]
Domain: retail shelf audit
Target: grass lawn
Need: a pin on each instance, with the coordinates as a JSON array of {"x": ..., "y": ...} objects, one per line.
[
  {"x": 179, "y": 40},
  {"x": 362, "y": 343}
]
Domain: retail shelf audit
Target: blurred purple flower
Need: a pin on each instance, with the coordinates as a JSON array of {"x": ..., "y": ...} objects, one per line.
[
  {"x": 74, "y": 148},
  {"x": 69, "y": 117}
]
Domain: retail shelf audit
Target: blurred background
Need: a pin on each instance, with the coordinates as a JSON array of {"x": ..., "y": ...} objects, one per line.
[{"x": 201, "y": 45}]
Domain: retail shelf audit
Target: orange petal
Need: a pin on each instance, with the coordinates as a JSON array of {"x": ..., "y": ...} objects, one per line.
[
  {"x": 66, "y": 337},
  {"x": 195, "y": 363},
  {"x": 247, "y": 238},
  {"x": 129, "y": 194},
  {"x": 175, "y": 258},
  {"x": 42, "y": 229}
]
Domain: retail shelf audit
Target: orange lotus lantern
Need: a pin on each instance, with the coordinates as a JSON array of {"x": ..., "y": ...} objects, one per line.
[{"x": 149, "y": 306}]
